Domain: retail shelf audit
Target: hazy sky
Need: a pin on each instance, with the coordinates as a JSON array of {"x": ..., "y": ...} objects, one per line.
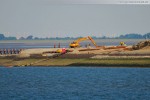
[{"x": 44, "y": 18}]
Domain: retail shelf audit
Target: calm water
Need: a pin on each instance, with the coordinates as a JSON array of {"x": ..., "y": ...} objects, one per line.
[
  {"x": 64, "y": 43},
  {"x": 74, "y": 83}
]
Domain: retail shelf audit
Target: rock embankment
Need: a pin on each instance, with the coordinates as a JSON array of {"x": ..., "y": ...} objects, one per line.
[{"x": 141, "y": 45}]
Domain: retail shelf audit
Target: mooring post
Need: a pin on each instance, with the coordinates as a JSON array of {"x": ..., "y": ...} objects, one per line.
[
  {"x": 0, "y": 51},
  {"x": 8, "y": 50},
  {"x": 15, "y": 51},
  {"x": 4, "y": 51},
  {"x": 59, "y": 45},
  {"x": 12, "y": 51}
]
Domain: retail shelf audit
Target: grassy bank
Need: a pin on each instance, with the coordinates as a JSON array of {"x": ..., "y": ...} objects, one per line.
[{"x": 138, "y": 62}]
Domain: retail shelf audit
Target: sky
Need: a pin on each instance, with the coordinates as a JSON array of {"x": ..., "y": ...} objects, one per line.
[{"x": 61, "y": 18}]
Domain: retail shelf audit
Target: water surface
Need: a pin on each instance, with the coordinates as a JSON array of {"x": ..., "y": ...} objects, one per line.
[
  {"x": 63, "y": 43},
  {"x": 74, "y": 83}
]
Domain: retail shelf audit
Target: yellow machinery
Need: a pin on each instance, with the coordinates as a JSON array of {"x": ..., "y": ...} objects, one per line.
[
  {"x": 75, "y": 43},
  {"x": 58, "y": 51},
  {"x": 63, "y": 50},
  {"x": 122, "y": 44}
]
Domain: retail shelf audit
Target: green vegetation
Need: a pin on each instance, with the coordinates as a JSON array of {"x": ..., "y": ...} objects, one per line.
[{"x": 138, "y": 62}]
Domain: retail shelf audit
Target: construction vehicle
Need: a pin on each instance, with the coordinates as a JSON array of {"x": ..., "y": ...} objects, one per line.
[
  {"x": 63, "y": 50},
  {"x": 75, "y": 43},
  {"x": 122, "y": 44}
]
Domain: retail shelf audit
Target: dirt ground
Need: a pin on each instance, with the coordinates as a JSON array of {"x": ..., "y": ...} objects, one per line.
[{"x": 92, "y": 50}]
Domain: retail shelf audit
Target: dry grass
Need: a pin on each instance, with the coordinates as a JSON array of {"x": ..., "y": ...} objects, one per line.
[
  {"x": 95, "y": 62},
  {"x": 78, "y": 62}
]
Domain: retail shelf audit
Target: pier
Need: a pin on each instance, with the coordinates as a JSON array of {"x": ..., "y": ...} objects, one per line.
[{"x": 10, "y": 51}]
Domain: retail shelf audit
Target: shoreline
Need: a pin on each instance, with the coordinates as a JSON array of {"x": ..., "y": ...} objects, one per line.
[
  {"x": 84, "y": 62},
  {"x": 99, "y": 56}
]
